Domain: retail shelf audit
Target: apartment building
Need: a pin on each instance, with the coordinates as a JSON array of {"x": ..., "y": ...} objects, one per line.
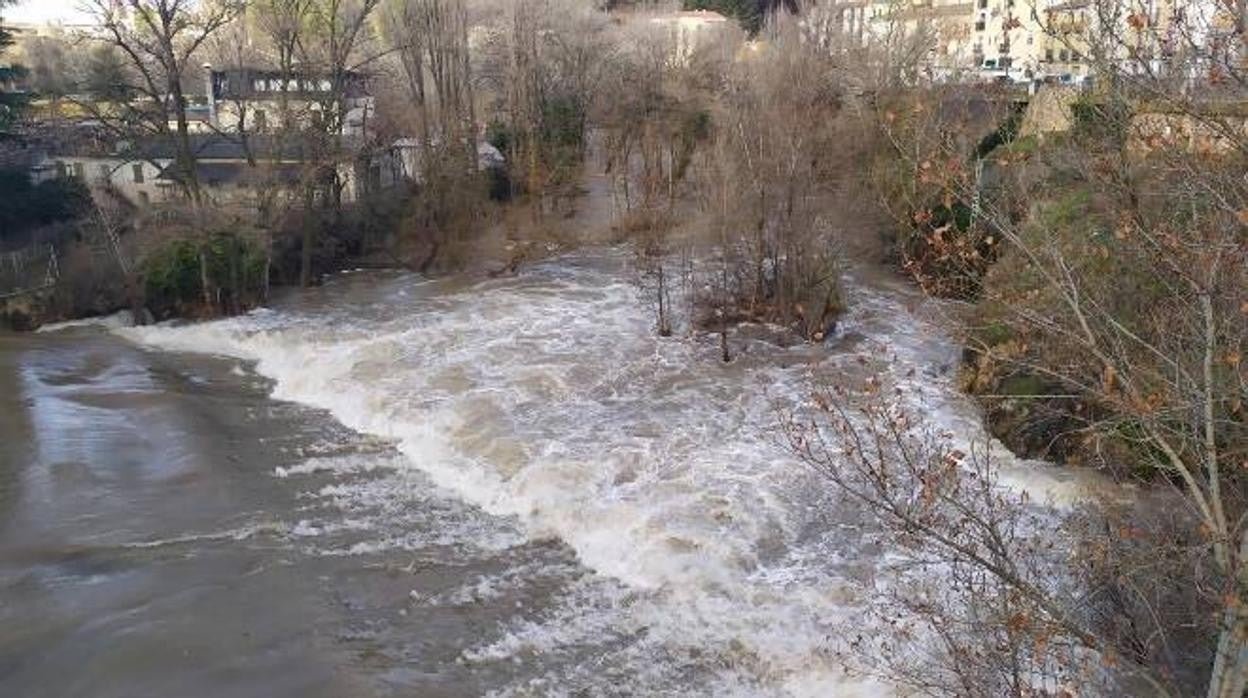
[
  {"x": 1008, "y": 38},
  {"x": 944, "y": 24},
  {"x": 1036, "y": 39},
  {"x": 1029, "y": 40}
]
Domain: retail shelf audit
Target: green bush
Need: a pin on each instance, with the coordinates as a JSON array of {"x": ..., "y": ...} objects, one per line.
[
  {"x": 499, "y": 135},
  {"x": 1100, "y": 122},
  {"x": 26, "y": 205},
  {"x": 171, "y": 277},
  {"x": 746, "y": 12},
  {"x": 174, "y": 275},
  {"x": 1006, "y": 133}
]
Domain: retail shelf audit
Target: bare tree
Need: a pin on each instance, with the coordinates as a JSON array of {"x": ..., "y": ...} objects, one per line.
[
  {"x": 780, "y": 144},
  {"x": 333, "y": 42},
  {"x": 158, "y": 39},
  {"x": 1108, "y": 268}
]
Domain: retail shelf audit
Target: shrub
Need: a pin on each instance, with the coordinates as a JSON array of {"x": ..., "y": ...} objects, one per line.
[
  {"x": 174, "y": 275},
  {"x": 27, "y": 205}
]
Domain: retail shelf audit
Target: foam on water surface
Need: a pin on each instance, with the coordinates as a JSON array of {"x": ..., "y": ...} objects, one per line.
[{"x": 546, "y": 402}]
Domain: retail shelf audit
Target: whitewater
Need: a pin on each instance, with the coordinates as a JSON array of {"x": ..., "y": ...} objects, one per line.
[{"x": 543, "y": 407}]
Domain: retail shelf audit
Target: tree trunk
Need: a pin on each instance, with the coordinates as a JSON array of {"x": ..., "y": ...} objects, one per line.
[
  {"x": 305, "y": 261},
  {"x": 236, "y": 280},
  {"x": 203, "y": 279},
  {"x": 268, "y": 263},
  {"x": 185, "y": 156},
  {"x": 665, "y": 325},
  {"x": 305, "y": 251},
  {"x": 1229, "y": 678}
]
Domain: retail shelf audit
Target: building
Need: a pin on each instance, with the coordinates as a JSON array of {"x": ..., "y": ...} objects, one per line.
[
  {"x": 228, "y": 170},
  {"x": 1024, "y": 41},
  {"x": 943, "y": 24},
  {"x": 1063, "y": 39},
  {"x": 405, "y": 158},
  {"x": 1064, "y": 49},
  {"x": 689, "y": 30},
  {"x": 259, "y": 101}
]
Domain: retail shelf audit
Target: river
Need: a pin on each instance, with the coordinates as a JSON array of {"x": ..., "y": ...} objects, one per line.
[{"x": 391, "y": 485}]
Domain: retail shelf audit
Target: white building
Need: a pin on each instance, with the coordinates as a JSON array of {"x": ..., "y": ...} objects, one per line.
[
  {"x": 946, "y": 25},
  {"x": 226, "y": 170},
  {"x": 259, "y": 101},
  {"x": 689, "y": 30}
]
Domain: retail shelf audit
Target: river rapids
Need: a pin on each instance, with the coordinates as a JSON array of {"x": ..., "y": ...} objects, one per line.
[{"x": 568, "y": 504}]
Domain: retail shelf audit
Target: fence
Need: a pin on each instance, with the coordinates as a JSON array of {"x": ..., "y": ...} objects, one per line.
[{"x": 28, "y": 270}]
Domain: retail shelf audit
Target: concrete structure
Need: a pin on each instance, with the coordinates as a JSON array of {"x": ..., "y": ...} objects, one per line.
[
  {"x": 1050, "y": 110},
  {"x": 1214, "y": 134}
]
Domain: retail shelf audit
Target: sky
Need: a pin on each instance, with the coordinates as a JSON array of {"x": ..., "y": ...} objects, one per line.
[{"x": 34, "y": 11}]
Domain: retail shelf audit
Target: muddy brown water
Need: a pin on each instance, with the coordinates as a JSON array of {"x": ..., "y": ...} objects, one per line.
[
  {"x": 147, "y": 548},
  {"x": 391, "y": 486}
]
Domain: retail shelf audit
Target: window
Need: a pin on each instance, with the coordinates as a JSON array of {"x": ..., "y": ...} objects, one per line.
[
  {"x": 1063, "y": 55},
  {"x": 80, "y": 170},
  {"x": 261, "y": 119},
  {"x": 137, "y": 171},
  {"x": 983, "y": 4},
  {"x": 60, "y": 169},
  {"x": 258, "y": 85},
  {"x": 105, "y": 171},
  {"x": 326, "y": 86},
  {"x": 1048, "y": 55},
  {"x": 979, "y": 26}
]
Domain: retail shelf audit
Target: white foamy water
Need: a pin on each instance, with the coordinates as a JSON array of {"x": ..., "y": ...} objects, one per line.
[
  {"x": 720, "y": 564},
  {"x": 115, "y": 321}
]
